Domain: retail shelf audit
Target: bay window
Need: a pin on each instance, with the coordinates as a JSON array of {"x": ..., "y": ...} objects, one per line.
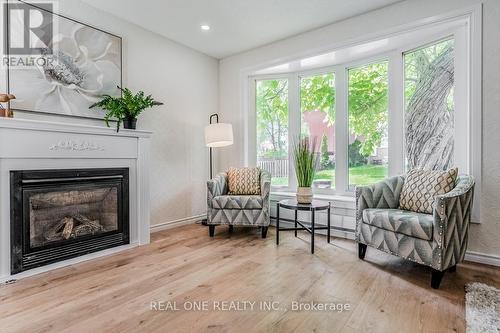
[{"x": 371, "y": 119}]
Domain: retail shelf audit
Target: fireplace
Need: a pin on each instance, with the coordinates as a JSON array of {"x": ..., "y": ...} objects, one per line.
[{"x": 61, "y": 214}]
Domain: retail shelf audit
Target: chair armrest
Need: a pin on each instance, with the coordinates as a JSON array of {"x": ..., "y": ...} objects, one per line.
[
  {"x": 452, "y": 213},
  {"x": 215, "y": 187},
  {"x": 265, "y": 188}
]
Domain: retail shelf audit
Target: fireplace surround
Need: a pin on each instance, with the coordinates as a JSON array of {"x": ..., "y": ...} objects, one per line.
[
  {"x": 61, "y": 214},
  {"x": 33, "y": 145}
]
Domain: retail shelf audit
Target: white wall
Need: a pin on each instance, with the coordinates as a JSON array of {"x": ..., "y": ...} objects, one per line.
[
  {"x": 484, "y": 237},
  {"x": 187, "y": 82}
]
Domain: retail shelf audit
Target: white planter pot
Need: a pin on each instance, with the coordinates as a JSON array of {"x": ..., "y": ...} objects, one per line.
[{"x": 304, "y": 195}]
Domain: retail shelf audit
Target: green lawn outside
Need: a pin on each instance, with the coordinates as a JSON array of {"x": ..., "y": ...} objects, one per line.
[{"x": 361, "y": 175}]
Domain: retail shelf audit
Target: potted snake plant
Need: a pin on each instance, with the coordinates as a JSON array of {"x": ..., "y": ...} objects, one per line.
[
  {"x": 306, "y": 163},
  {"x": 126, "y": 108}
]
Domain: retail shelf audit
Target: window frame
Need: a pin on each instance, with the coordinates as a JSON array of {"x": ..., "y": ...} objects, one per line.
[
  {"x": 383, "y": 57},
  {"x": 340, "y": 73},
  {"x": 467, "y": 59},
  {"x": 310, "y": 73},
  {"x": 253, "y": 131},
  {"x": 462, "y": 117}
]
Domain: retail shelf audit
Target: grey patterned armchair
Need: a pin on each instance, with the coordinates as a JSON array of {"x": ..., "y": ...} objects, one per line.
[
  {"x": 438, "y": 240},
  {"x": 239, "y": 210}
]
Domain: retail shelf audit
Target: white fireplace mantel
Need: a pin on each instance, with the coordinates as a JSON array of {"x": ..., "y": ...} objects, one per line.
[{"x": 33, "y": 145}]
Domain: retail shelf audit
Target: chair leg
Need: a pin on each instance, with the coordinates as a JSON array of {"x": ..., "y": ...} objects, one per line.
[
  {"x": 211, "y": 230},
  {"x": 436, "y": 278},
  {"x": 362, "y": 250},
  {"x": 452, "y": 269},
  {"x": 231, "y": 228},
  {"x": 264, "y": 232}
]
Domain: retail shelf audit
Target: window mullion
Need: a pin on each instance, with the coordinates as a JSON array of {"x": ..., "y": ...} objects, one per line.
[
  {"x": 251, "y": 131},
  {"x": 460, "y": 96},
  {"x": 341, "y": 131},
  {"x": 293, "y": 125},
  {"x": 396, "y": 115}
]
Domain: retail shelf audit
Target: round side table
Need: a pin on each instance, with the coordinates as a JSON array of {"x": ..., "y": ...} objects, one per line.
[{"x": 313, "y": 207}]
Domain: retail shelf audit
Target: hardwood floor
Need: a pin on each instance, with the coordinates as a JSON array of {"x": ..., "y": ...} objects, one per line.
[{"x": 114, "y": 294}]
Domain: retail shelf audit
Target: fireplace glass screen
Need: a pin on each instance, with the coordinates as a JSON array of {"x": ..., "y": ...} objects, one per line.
[
  {"x": 60, "y": 215},
  {"x": 57, "y": 214}
]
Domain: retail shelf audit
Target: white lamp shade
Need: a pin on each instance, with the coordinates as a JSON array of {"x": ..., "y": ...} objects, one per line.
[{"x": 219, "y": 135}]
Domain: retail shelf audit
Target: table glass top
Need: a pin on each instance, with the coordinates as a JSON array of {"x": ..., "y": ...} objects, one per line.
[{"x": 293, "y": 204}]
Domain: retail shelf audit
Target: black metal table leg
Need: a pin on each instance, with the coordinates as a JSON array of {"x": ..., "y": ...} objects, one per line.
[
  {"x": 312, "y": 230},
  {"x": 328, "y": 220},
  {"x": 292, "y": 204},
  {"x": 278, "y": 224},
  {"x": 296, "y": 223}
]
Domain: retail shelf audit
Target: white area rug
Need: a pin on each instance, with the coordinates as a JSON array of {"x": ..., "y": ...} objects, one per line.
[{"x": 482, "y": 308}]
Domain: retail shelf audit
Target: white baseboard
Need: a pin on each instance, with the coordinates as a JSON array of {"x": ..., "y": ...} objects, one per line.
[
  {"x": 175, "y": 223},
  {"x": 483, "y": 258}
]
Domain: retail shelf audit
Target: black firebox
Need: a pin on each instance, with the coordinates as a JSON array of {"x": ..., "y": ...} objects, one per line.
[{"x": 61, "y": 214}]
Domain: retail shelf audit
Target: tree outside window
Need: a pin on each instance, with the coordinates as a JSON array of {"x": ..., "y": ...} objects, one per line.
[
  {"x": 317, "y": 109},
  {"x": 428, "y": 127},
  {"x": 429, "y": 116},
  {"x": 272, "y": 128},
  {"x": 368, "y": 123}
]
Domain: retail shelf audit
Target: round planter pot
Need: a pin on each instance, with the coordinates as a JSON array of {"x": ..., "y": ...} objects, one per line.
[
  {"x": 130, "y": 123},
  {"x": 304, "y": 195}
]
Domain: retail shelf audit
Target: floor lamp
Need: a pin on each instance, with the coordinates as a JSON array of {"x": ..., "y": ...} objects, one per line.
[{"x": 217, "y": 135}]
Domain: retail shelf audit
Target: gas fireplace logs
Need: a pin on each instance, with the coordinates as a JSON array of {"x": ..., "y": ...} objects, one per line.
[{"x": 74, "y": 226}]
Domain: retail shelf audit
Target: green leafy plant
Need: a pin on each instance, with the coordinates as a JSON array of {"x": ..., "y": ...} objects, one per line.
[
  {"x": 128, "y": 106},
  {"x": 356, "y": 158},
  {"x": 325, "y": 157},
  {"x": 306, "y": 161}
]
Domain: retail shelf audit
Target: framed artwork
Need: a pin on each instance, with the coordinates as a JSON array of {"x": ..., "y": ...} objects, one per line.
[{"x": 82, "y": 63}]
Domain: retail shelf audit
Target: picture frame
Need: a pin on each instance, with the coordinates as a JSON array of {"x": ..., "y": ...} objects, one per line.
[{"x": 86, "y": 63}]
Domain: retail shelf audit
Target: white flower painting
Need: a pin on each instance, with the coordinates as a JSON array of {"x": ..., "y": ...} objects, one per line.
[{"x": 82, "y": 64}]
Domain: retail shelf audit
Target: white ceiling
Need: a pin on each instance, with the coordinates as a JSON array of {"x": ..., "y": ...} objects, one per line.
[{"x": 236, "y": 25}]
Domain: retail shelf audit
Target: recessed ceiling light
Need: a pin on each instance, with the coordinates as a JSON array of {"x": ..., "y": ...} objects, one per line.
[{"x": 205, "y": 27}]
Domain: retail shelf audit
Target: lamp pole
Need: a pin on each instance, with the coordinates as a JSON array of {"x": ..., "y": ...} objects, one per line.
[{"x": 216, "y": 116}]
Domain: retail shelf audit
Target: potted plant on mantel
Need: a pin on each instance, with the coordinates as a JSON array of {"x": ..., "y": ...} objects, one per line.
[
  {"x": 306, "y": 163},
  {"x": 125, "y": 108}
]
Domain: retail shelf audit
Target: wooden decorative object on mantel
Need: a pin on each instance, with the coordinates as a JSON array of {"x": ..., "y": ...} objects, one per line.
[{"x": 6, "y": 112}]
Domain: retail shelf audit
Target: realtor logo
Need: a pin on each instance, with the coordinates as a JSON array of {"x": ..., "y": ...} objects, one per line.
[{"x": 29, "y": 28}]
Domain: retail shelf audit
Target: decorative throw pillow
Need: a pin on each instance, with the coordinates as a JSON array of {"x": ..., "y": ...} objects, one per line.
[
  {"x": 244, "y": 181},
  {"x": 421, "y": 186}
]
